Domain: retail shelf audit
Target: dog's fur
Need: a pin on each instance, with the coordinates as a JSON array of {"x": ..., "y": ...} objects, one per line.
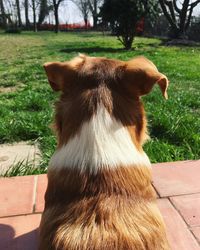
[{"x": 99, "y": 194}]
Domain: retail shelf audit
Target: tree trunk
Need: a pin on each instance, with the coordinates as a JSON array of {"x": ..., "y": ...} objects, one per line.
[
  {"x": 126, "y": 40},
  {"x": 183, "y": 16},
  {"x": 128, "y": 43},
  {"x": 86, "y": 22},
  {"x": 26, "y": 3},
  {"x": 95, "y": 18},
  {"x": 93, "y": 5},
  {"x": 174, "y": 33},
  {"x": 56, "y": 19},
  {"x": 34, "y": 21},
  {"x": 34, "y": 16},
  {"x": 3, "y": 14},
  {"x": 18, "y": 13}
]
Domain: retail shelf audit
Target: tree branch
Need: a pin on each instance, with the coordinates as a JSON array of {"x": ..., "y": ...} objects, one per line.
[
  {"x": 192, "y": 6},
  {"x": 176, "y": 7},
  {"x": 183, "y": 14},
  {"x": 119, "y": 38},
  {"x": 90, "y": 6},
  {"x": 59, "y": 1},
  {"x": 189, "y": 18},
  {"x": 167, "y": 15},
  {"x": 171, "y": 9},
  {"x": 195, "y": 4}
]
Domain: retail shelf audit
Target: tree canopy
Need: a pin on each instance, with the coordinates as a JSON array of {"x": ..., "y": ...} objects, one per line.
[{"x": 124, "y": 15}]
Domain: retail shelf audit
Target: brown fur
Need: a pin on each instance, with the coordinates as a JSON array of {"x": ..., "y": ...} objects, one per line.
[{"x": 114, "y": 208}]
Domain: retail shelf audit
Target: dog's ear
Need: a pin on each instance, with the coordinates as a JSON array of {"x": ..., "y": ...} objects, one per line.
[
  {"x": 140, "y": 76},
  {"x": 56, "y": 74},
  {"x": 61, "y": 75}
]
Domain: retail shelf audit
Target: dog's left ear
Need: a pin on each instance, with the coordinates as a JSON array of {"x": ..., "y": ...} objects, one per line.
[{"x": 141, "y": 75}]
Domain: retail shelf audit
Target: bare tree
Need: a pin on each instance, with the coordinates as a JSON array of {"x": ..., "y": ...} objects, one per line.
[
  {"x": 10, "y": 9},
  {"x": 2, "y": 9},
  {"x": 34, "y": 6},
  {"x": 179, "y": 18},
  {"x": 84, "y": 7},
  {"x": 44, "y": 11},
  {"x": 94, "y": 9},
  {"x": 56, "y": 4},
  {"x": 18, "y": 13},
  {"x": 26, "y": 10}
]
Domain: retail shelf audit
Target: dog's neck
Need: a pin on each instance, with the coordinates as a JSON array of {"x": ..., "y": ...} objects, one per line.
[{"x": 101, "y": 143}]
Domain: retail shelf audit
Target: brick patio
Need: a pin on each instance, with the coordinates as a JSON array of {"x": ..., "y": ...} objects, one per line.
[{"x": 177, "y": 185}]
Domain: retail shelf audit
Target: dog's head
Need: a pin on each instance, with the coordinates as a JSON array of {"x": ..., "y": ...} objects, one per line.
[{"x": 90, "y": 83}]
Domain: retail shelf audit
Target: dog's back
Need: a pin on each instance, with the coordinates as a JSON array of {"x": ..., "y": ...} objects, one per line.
[{"x": 99, "y": 193}]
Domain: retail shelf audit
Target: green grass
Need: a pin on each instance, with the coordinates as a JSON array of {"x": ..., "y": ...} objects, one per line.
[{"x": 26, "y": 113}]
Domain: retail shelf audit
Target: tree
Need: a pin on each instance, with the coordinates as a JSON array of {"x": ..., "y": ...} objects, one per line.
[
  {"x": 56, "y": 4},
  {"x": 3, "y": 16},
  {"x": 83, "y": 6},
  {"x": 94, "y": 9},
  {"x": 26, "y": 10},
  {"x": 34, "y": 6},
  {"x": 178, "y": 17},
  {"x": 19, "y": 13},
  {"x": 44, "y": 11},
  {"x": 124, "y": 15}
]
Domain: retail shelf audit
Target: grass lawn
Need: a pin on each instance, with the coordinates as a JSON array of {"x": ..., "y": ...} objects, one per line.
[{"x": 27, "y": 111}]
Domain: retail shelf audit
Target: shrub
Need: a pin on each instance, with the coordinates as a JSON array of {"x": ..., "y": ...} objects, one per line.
[
  {"x": 194, "y": 32},
  {"x": 13, "y": 30}
]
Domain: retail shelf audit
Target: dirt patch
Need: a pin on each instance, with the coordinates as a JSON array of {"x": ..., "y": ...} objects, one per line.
[{"x": 182, "y": 42}]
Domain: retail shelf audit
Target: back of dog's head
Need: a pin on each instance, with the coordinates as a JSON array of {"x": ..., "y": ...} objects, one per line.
[{"x": 87, "y": 83}]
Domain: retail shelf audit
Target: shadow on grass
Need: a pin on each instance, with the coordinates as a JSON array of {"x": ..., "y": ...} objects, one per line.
[
  {"x": 161, "y": 132},
  {"x": 92, "y": 49},
  {"x": 181, "y": 43}
]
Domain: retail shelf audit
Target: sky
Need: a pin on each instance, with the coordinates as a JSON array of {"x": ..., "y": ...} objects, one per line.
[{"x": 68, "y": 13}]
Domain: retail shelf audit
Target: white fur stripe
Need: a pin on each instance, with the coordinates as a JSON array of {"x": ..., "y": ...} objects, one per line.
[{"x": 102, "y": 142}]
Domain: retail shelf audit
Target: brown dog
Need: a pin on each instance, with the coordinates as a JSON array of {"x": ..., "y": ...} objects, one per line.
[{"x": 99, "y": 194}]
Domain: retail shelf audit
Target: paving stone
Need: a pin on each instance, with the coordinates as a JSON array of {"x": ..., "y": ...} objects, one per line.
[
  {"x": 7, "y": 89},
  {"x": 189, "y": 208},
  {"x": 19, "y": 232},
  {"x": 16, "y": 195},
  {"x": 41, "y": 189},
  {"x": 196, "y": 232},
  {"x": 180, "y": 237},
  {"x": 11, "y": 154},
  {"x": 177, "y": 178}
]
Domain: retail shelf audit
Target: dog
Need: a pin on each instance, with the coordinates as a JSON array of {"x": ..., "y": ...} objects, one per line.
[{"x": 99, "y": 194}]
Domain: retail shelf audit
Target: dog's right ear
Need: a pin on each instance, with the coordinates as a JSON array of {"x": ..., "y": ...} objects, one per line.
[
  {"x": 62, "y": 74},
  {"x": 59, "y": 75},
  {"x": 54, "y": 74}
]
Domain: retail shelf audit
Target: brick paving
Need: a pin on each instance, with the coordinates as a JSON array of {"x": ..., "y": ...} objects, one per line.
[{"x": 177, "y": 185}]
